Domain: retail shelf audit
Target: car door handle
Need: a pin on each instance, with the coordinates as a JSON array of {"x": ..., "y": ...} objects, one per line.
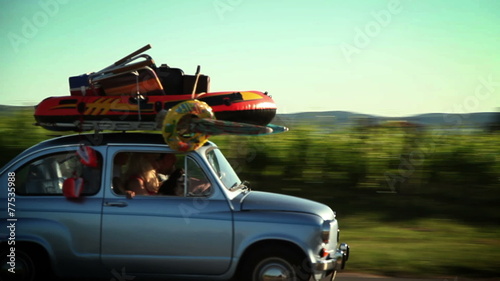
[{"x": 115, "y": 204}]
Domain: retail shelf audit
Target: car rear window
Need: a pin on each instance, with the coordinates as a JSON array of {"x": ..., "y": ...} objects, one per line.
[{"x": 45, "y": 175}]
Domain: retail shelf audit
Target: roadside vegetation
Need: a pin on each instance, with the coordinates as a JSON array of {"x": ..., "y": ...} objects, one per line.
[{"x": 410, "y": 201}]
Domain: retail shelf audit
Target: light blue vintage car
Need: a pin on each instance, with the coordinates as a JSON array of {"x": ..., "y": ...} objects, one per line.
[{"x": 215, "y": 228}]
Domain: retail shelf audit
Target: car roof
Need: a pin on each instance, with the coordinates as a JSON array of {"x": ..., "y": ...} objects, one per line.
[
  {"x": 99, "y": 139},
  {"x": 107, "y": 138}
]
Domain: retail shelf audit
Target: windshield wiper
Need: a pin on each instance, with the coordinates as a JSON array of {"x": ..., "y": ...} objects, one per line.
[{"x": 242, "y": 185}]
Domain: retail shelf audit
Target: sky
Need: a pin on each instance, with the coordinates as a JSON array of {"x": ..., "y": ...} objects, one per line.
[{"x": 381, "y": 57}]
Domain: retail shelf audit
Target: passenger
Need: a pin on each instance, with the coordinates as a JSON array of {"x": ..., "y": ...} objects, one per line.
[
  {"x": 165, "y": 165},
  {"x": 172, "y": 180},
  {"x": 141, "y": 175}
]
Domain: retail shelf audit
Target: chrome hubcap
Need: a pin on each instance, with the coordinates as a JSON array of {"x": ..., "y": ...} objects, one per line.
[{"x": 274, "y": 269}]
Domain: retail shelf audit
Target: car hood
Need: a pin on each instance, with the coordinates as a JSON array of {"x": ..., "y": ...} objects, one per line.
[{"x": 265, "y": 201}]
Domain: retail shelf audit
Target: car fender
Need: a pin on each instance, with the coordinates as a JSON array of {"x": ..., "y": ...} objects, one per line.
[{"x": 300, "y": 229}]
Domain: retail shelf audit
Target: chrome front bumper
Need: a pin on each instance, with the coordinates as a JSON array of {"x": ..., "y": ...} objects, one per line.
[{"x": 334, "y": 262}]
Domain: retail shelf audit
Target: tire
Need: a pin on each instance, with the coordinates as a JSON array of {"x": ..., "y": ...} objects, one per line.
[
  {"x": 29, "y": 266},
  {"x": 281, "y": 264}
]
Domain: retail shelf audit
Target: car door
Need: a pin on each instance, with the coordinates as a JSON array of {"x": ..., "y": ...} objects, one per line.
[
  {"x": 156, "y": 234},
  {"x": 68, "y": 228}
]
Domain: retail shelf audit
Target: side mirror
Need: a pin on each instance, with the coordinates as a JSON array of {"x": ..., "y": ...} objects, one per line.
[{"x": 73, "y": 187}]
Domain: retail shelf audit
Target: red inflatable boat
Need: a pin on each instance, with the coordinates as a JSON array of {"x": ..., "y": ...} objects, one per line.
[{"x": 133, "y": 94}]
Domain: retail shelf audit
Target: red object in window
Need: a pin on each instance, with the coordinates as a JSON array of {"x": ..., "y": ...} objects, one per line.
[
  {"x": 72, "y": 187},
  {"x": 88, "y": 156}
]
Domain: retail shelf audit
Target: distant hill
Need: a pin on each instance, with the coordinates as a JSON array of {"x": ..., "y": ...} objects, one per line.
[
  {"x": 9, "y": 109},
  {"x": 344, "y": 118}
]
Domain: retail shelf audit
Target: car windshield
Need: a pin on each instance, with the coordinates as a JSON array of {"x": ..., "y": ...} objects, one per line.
[{"x": 223, "y": 169}]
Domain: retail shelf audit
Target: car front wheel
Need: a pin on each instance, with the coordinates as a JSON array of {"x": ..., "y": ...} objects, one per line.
[{"x": 277, "y": 264}]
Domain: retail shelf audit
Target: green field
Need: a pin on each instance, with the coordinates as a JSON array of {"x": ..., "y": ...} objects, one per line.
[{"x": 409, "y": 203}]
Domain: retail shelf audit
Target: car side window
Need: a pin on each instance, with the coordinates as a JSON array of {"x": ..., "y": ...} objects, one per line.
[
  {"x": 120, "y": 161},
  {"x": 197, "y": 183},
  {"x": 164, "y": 174},
  {"x": 45, "y": 175},
  {"x": 137, "y": 173}
]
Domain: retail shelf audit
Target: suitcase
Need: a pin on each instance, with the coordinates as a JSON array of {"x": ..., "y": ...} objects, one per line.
[
  {"x": 81, "y": 86},
  {"x": 146, "y": 83}
]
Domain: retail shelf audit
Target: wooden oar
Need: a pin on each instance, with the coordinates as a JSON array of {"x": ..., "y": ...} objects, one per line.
[{"x": 195, "y": 82}]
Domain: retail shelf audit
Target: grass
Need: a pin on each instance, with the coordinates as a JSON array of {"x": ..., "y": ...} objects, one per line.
[
  {"x": 420, "y": 248},
  {"x": 415, "y": 235}
]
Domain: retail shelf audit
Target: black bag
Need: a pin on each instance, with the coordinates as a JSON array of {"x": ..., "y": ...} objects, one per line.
[
  {"x": 203, "y": 85},
  {"x": 171, "y": 79}
]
